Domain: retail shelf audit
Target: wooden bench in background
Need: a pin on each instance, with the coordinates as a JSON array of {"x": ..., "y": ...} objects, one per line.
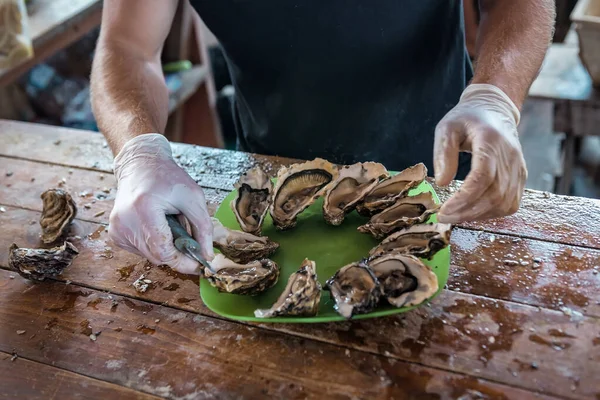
[{"x": 564, "y": 80}]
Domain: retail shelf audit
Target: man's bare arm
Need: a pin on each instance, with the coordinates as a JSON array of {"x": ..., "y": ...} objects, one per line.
[
  {"x": 514, "y": 36},
  {"x": 129, "y": 94}
]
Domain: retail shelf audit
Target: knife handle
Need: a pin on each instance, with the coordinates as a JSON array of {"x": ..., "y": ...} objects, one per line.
[
  {"x": 176, "y": 228},
  {"x": 184, "y": 242}
]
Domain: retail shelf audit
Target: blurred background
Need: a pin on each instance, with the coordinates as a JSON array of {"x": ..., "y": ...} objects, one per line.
[{"x": 50, "y": 85}]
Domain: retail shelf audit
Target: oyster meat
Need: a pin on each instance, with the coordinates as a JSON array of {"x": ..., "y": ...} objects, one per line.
[
  {"x": 39, "y": 264},
  {"x": 254, "y": 191},
  {"x": 248, "y": 279},
  {"x": 301, "y": 295},
  {"x": 422, "y": 240},
  {"x": 298, "y": 186},
  {"x": 388, "y": 191},
  {"x": 239, "y": 246},
  {"x": 405, "y": 280},
  {"x": 58, "y": 212},
  {"x": 405, "y": 212},
  {"x": 350, "y": 187},
  {"x": 355, "y": 289}
]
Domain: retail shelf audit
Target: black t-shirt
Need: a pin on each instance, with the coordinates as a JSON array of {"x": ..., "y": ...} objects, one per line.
[{"x": 346, "y": 80}]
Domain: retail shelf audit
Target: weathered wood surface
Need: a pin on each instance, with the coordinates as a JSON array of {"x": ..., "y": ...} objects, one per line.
[
  {"x": 532, "y": 272},
  {"x": 46, "y": 382},
  {"x": 453, "y": 334},
  {"x": 115, "y": 270},
  {"x": 520, "y": 316},
  {"x": 23, "y": 182},
  {"x": 177, "y": 354},
  {"x": 542, "y": 215},
  {"x": 545, "y": 274}
]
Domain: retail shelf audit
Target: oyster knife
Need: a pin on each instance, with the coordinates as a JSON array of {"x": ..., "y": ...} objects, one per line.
[{"x": 184, "y": 242}]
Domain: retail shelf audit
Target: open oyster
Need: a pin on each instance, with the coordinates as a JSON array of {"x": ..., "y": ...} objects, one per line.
[
  {"x": 254, "y": 190},
  {"x": 240, "y": 246},
  {"x": 58, "y": 212},
  {"x": 405, "y": 212},
  {"x": 405, "y": 280},
  {"x": 301, "y": 295},
  {"x": 249, "y": 279},
  {"x": 298, "y": 186},
  {"x": 388, "y": 191},
  {"x": 355, "y": 289},
  {"x": 419, "y": 240},
  {"x": 39, "y": 264},
  {"x": 352, "y": 184}
]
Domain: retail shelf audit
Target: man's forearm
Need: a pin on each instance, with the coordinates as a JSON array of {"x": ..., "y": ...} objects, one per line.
[
  {"x": 129, "y": 95},
  {"x": 513, "y": 38}
]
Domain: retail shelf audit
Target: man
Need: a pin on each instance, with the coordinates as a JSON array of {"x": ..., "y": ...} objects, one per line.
[{"x": 346, "y": 80}]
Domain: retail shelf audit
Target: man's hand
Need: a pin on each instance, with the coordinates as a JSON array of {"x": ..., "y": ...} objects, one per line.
[
  {"x": 484, "y": 122},
  {"x": 151, "y": 185}
]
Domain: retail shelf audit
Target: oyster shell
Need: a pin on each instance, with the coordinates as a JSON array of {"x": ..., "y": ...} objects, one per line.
[
  {"x": 350, "y": 187},
  {"x": 240, "y": 246},
  {"x": 419, "y": 240},
  {"x": 254, "y": 191},
  {"x": 405, "y": 280},
  {"x": 249, "y": 279},
  {"x": 388, "y": 191},
  {"x": 39, "y": 264},
  {"x": 355, "y": 289},
  {"x": 405, "y": 212},
  {"x": 301, "y": 295},
  {"x": 298, "y": 186},
  {"x": 58, "y": 212}
]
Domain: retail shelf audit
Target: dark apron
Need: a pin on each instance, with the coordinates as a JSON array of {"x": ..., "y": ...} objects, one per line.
[{"x": 345, "y": 80}]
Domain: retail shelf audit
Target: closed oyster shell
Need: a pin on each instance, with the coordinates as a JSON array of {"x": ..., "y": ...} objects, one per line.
[
  {"x": 248, "y": 279},
  {"x": 254, "y": 193},
  {"x": 58, "y": 212},
  {"x": 298, "y": 186},
  {"x": 39, "y": 264},
  {"x": 239, "y": 246},
  {"x": 355, "y": 289},
  {"x": 301, "y": 295},
  {"x": 418, "y": 240},
  {"x": 405, "y": 212},
  {"x": 388, "y": 191},
  {"x": 350, "y": 187},
  {"x": 405, "y": 280}
]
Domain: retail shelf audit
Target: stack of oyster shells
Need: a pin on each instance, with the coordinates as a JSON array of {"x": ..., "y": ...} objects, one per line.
[{"x": 58, "y": 213}]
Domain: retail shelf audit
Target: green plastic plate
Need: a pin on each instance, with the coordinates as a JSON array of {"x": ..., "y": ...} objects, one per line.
[{"x": 331, "y": 247}]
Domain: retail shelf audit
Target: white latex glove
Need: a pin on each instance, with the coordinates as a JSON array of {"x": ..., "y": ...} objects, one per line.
[
  {"x": 151, "y": 185},
  {"x": 484, "y": 123}
]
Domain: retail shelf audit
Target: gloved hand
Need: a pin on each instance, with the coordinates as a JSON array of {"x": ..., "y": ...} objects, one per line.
[
  {"x": 151, "y": 185},
  {"x": 484, "y": 123}
]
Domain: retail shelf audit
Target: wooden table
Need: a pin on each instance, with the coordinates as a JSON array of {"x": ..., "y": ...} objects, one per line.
[{"x": 519, "y": 319}]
